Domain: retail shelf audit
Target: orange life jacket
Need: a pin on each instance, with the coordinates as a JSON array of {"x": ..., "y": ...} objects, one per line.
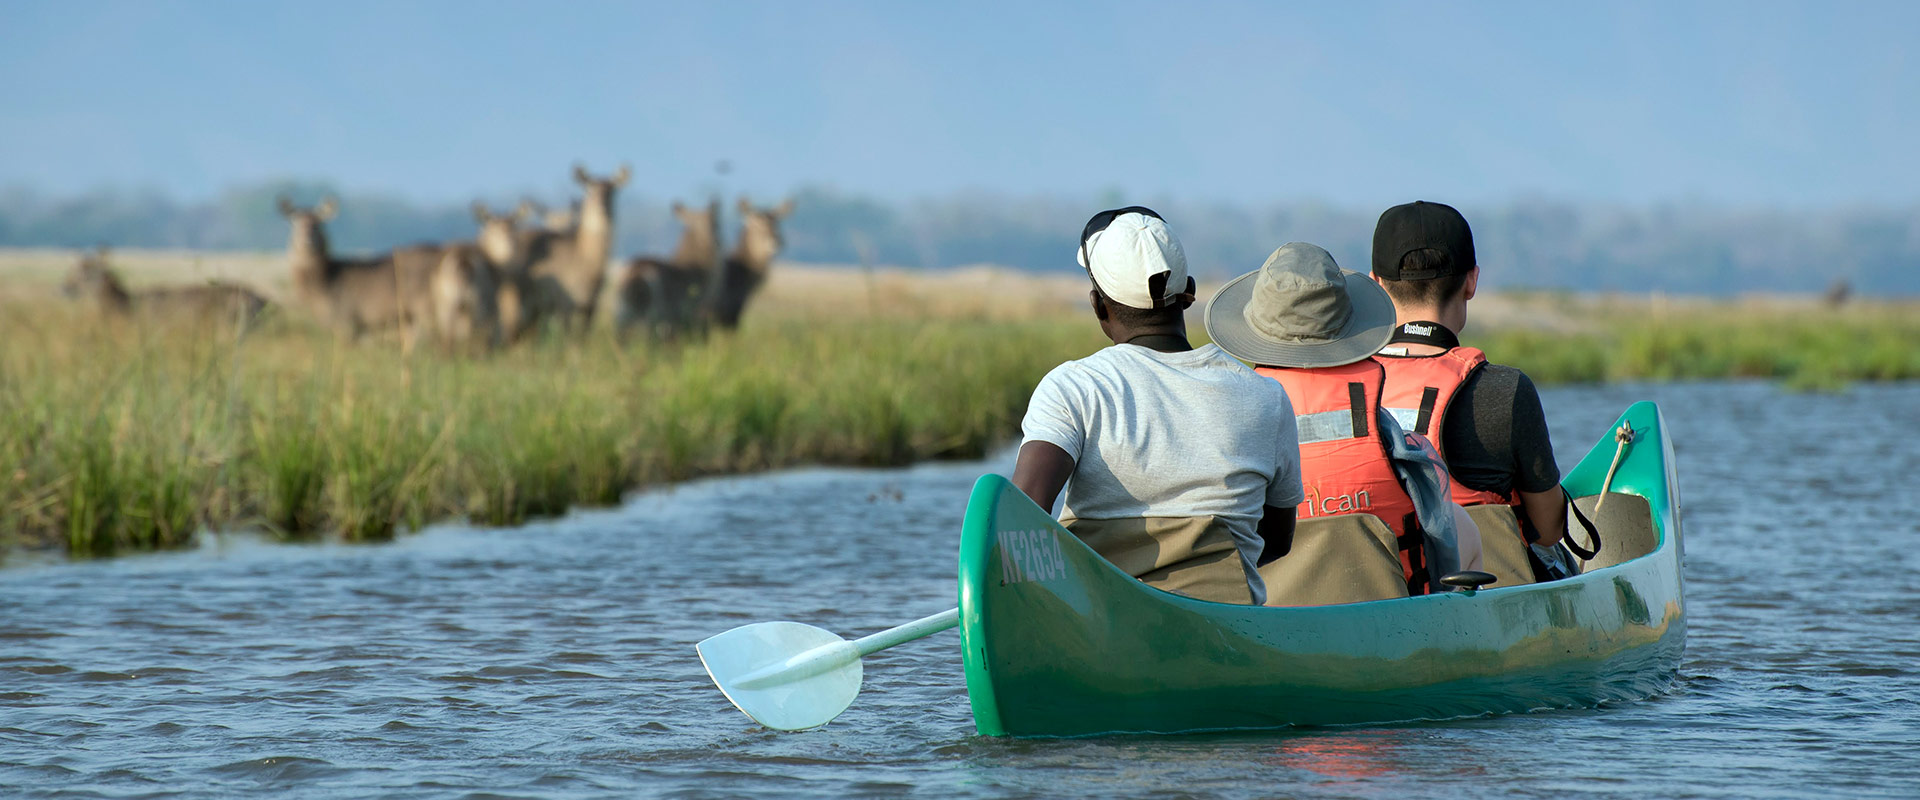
[
  {"x": 1418, "y": 392},
  {"x": 1343, "y": 458}
]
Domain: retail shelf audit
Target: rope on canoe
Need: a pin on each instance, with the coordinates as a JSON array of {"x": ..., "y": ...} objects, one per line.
[{"x": 1623, "y": 435}]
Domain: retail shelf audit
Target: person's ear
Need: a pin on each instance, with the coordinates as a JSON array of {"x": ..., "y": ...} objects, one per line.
[
  {"x": 1471, "y": 285},
  {"x": 1100, "y": 311}
]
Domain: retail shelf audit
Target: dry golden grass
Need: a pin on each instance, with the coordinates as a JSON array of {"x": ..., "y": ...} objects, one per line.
[
  {"x": 968, "y": 293},
  {"x": 33, "y": 273}
]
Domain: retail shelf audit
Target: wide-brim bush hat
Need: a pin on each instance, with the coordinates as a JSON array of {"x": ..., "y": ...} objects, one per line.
[{"x": 1300, "y": 309}]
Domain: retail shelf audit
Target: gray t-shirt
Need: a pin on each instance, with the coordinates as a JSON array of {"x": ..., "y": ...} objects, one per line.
[{"x": 1185, "y": 434}]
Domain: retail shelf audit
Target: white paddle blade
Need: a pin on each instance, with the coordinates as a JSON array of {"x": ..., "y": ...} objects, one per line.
[{"x": 785, "y": 675}]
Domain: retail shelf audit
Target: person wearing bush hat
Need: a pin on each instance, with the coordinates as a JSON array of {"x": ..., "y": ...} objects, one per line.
[
  {"x": 1299, "y": 309},
  {"x": 1314, "y": 328},
  {"x": 1178, "y": 463}
]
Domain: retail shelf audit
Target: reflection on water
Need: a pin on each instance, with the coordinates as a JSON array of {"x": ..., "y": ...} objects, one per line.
[
  {"x": 556, "y": 660},
  {"x": 1342, "y": 755}
]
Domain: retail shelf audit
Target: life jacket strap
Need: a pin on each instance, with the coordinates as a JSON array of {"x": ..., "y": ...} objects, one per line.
[
  {"x": 1427, "y": 399},
  {"x": 1332, "y": 426},
  {"x": 1357, "y": 396},
  {"x": 1412, "y": 542}
]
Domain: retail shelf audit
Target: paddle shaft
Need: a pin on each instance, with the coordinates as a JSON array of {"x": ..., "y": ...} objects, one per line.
[
  {"x": 925, "y": 626},
  {"x": 832, "y": 656}
]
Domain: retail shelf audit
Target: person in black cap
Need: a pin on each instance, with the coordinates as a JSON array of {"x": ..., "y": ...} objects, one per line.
[
  {"x": 1485, "y": 418},
  {"x": 1314, "y": 328}
]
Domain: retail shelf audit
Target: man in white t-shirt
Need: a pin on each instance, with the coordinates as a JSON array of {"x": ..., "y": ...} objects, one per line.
[{"x": 1180, "y": 464}]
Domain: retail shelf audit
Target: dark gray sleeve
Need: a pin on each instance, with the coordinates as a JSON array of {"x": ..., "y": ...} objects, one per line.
[
  {"x": 1534, "y": 467},
  {"x": 1495, "y": 434}
]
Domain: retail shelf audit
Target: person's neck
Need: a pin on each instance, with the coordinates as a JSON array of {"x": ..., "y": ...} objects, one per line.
[
  {"x": 1162, "y": 342},
  {"x": 1163, "y": 338},
  {"x": 1453, "y": 317}
]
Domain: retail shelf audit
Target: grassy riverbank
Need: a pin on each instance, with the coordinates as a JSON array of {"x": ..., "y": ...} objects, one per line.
[
  {"x": 1804, "y": 344},
  {"x": 118, "y": 439}
]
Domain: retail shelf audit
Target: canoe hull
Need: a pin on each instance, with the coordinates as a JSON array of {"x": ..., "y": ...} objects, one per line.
[{"x": 1059, "y": 643}]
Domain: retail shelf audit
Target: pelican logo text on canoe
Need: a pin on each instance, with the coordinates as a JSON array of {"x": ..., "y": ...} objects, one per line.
[{"x": 1030, "y": 556}]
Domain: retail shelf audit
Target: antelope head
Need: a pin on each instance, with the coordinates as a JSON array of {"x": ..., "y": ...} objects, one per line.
[
  {"x": 760, "y": 238},
  {"x": 307, "y": 233},
  {"x": 700, "y": 240},
  {"x": 615, "y": 181},
  {"x": 498, "y": 237},
  {"x": 599, "y": 192}
]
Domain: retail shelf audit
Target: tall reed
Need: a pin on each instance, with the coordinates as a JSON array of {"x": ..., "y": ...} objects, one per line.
[{"x": 121, "y": 438}]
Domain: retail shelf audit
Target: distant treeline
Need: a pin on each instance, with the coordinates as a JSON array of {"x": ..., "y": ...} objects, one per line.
[{"x": 1534, "y": 243}]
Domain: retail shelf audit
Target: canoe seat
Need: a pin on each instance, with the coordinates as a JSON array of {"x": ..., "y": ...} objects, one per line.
[
  {"x": 1626, "y": 529},
  {"x": 1503, "y": 549},
  {"x": 1351, "y": 558}
]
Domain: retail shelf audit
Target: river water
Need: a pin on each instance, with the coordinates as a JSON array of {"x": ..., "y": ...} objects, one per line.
[{"x": 556, "y": 660}]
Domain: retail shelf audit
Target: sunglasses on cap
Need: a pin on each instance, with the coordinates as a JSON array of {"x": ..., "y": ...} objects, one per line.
[{"x": 1100, "y": 222}]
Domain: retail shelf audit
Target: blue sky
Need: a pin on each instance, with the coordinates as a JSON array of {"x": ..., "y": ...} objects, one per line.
[{"x": 1738, "y": 104}]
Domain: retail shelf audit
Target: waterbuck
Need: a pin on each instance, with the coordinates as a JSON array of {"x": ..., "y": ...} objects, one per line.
[
  {"x": 464, "y": 298},
  {"x": 504, "y": 247},
  {"x": 569, "y": 268},
  {"x": 411, "y": 288},
  {"x": 667, "y": 295},
  {"x": 743, "y": 271},
  {"x": 93, "y": 281}
]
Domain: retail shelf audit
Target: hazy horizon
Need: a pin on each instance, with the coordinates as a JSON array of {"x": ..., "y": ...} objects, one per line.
[{"x": 1721, "y": 105}]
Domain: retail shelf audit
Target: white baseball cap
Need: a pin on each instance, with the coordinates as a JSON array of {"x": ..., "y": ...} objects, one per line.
[{"x": 1124, "y": 248}]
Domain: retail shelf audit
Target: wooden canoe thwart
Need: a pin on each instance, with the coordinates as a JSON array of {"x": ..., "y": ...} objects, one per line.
[{"x": 1058, "y": 642}]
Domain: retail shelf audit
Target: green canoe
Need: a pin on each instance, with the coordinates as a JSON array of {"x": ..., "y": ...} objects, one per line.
[{"x": 1060, "y": 643}]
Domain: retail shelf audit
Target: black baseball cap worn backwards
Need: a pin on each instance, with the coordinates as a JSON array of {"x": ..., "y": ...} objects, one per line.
[{"x": 1421, "y": 225}]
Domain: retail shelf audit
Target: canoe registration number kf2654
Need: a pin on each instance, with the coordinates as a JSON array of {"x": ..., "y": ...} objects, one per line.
[{"x": 1030, "y": 556}]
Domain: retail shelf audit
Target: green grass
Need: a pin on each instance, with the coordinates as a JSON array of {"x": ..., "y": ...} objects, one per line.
[
  {"x": 116, "y": 439},
  {"x": 1806, "y": 349}
]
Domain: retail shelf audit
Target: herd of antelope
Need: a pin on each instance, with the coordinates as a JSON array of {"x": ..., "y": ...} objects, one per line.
[{"x": 513, "y": 278}]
